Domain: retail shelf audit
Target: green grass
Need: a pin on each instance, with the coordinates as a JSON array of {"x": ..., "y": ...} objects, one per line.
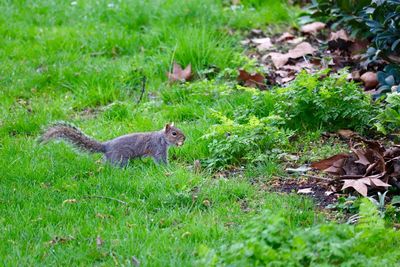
[{"x": 84, "y": 63}]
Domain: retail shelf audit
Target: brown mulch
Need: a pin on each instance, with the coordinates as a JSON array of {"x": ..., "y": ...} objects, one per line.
[{"x": 320, "y": 191}]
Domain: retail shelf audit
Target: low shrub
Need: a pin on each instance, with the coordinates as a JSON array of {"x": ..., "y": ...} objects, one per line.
[
  {"x": 251, "y": 123},
  {"x": 388, "y": 119},
  {"x": 376, "y": 20},
  {"x": 330, "y": 104},
  {"x": 268, "y": 240},
  {"x": 232, "y": 143}
]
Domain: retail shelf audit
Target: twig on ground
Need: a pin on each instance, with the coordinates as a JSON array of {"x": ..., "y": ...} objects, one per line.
[
  {"x": 104, "y": 197},
  {"x": 317, "y": 177},
  {"x": 311, "y": 176},
  {"x": 143, "y": 89}
]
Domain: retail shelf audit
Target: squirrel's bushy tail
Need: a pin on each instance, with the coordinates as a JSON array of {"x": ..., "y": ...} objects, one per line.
[{"x": 62, "y": 130}]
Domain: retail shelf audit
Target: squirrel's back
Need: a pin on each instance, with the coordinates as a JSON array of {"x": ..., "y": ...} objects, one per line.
[{"x": 62, "y": 130}]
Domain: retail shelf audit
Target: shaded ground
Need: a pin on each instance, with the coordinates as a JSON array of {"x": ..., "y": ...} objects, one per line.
[{"x": 319, "y": 191}]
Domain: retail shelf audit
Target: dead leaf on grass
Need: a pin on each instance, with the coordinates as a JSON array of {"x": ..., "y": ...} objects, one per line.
[
  {"x": 245, "y": 42},
  {"x": 379, "y": 182},
  {"x": 361, "y": 157},
  {"x": 251, "y": 80},
  {"x": 327, "y": 164},
  {"x": 359, "y": 46},
  {"x": 179, "y": 74},
  {"x": 261, "y": 40},
  {"x": 278, "y": 59},
  {"x": 369, "y": 165},
  {"x": 301, "y": 50},
  {"x": 265, "y": 46},
  {"x": 339, "y": 40},
  {"x": 295, "y": 41},
  {"x": 312, "y": 28},
  {"x": 256, "y": 31},
  {"x": 358, "y": 184},
  {"x": 285, "y": 36},
  {"x": 346, "y": 134}
]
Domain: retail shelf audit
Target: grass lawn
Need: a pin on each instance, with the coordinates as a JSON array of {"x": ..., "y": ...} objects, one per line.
[{"x": 83, "y": 62}]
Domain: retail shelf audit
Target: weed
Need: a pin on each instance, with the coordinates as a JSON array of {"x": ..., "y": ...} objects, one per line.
[
  {"x": 268, "y": 240},
  {"x": 329, "y": 104}
]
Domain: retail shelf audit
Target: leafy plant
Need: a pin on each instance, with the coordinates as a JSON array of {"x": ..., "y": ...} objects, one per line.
[
  {"x": 382, "y": 17},
  {"x": 332, "y": 103},
  {"x": 232, "y": 142},
  {"x": 350, "y": 204},
  {"x": 389, "y": 79},
  {"x": 388, "y": 120},
  {"x": 380, "y": 203},
  {"x": 378, "y": 20},
  {"x": 341, "y": 12},
  {"x": 268, "y": 240}
]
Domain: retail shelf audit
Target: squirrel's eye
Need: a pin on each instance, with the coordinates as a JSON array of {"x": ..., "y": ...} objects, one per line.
[{"x": 174, "y": 133}]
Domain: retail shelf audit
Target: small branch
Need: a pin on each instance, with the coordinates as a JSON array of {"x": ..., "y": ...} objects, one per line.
[
  {"x": 109, "y": 198},
  {"x": 318, "y": 177},
  {"x": 143, "y": 89}
]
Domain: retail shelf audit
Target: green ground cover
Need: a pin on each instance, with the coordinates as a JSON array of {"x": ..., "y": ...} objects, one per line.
[{"x": 83, "y": 62}]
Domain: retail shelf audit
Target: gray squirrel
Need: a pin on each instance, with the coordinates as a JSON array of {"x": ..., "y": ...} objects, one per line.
[{"x": 120, "y": 150}]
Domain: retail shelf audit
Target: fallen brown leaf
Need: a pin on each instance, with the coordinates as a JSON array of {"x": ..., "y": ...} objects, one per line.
[
  {"x": 379, "y": 182},
  {"x": 261, "y": 40},
  {"x": 245, "y": 42},
  {"x": 339, "y": 40},
  {"x": 359, "y": 46},
  {"x": 312, "y": 27},
  {"x": 285, "y": 36},
  {"x": 264, "y": 46},
  {"x": 251, "y": 80},
  {"x": 256, "y": 31},
  {"x": 295, "y": 41},
  {"x": 288, "y": 79},
  {"x": 179, "y": 74},
  {"x": 301, "y": 50},
  {"x": 336, "y": 160},
  {"x": 358, "y": 184},
  {"x": 278, "y": 59},
  {"x": 361, "y": 157},
  {"x": 346, "y": 134}
]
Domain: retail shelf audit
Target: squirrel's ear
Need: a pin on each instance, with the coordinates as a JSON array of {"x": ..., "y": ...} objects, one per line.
[
  {"x": 167, "y": 127},
  {"x": 172, "y": 124}
]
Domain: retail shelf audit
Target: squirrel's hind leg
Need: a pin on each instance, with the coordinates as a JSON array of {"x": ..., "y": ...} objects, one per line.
[{"x": 116, "y": 160}]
